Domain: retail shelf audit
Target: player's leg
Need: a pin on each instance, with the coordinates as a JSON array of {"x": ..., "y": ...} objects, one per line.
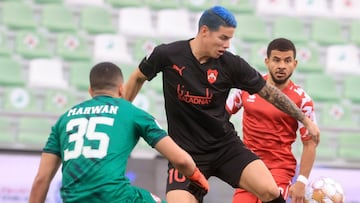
[
  {"x": 243, "y": 196},
  {"x": 257, "y": 179},
  {"x": 241, "y": 168},
  {"x": 176, "y": 188},
  {"x": 283, "y": 179},
  {"x": 180, "y": 196},
  {"x": 284, "y": 188}
]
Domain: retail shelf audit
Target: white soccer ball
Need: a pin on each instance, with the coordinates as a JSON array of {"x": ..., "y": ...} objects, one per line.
[{"x": 324, "y": 190}]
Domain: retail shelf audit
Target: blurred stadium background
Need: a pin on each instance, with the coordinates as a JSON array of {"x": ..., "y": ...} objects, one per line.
[{"x": 48, "y": 46}]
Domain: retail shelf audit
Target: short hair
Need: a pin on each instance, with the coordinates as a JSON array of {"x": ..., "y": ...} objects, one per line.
[
  {"x": 217, "y": 16},
  {"x": 105, "y": 75},
  {"x": 281, "y": 44}
]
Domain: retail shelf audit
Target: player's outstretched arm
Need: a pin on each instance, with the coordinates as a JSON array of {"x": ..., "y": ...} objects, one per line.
[
  {"x": 49, "y": 164},
  {"x": 182, "y": 161},
  {"x": 282, "y": 102}
]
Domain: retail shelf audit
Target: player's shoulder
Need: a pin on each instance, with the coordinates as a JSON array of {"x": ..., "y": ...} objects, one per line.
[
  {"x": 234, "y": 62},
  {"x": 133, "y": 109},
  {"x": 298, "y": 90},
  {"x": 229, "y": 56},
  {"x": 295, "y": 86},
  {"x": 73, "y": 108},
  {"x": 173, "y": 46},
  {"x": 127, "y": 106}
]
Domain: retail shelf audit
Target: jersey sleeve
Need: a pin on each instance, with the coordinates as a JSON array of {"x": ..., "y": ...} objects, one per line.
[
  {"x": 149, "y": 129},
  {"x": 53, "y": 143},
  {"x": 152, "y": 63},
  {"x": 245, "y": 77},
  {"x": 307, "y": 107},
  {"x": 234, "y": 102}
]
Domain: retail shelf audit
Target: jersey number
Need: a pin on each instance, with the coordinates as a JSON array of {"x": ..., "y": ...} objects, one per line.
[
  {"x": 86, "y": 128},
  {"x": 175, "y": 175}
]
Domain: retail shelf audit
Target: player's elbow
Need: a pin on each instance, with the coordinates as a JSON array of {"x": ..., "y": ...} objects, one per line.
[{"x": 41, "y": 182}]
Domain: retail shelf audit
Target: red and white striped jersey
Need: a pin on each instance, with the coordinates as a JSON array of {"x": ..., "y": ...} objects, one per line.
[{"x": 268, "y": 131}]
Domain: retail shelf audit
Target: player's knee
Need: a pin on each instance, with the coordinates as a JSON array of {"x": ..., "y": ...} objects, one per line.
[
  {"x": 179, "y": 196},
  {"x": 270, "y": 194}
]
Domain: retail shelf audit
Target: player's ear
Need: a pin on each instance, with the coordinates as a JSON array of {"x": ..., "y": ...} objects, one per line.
[
  {"x": 90, "y": 92},
  {"x": 121, "y": 89},
  {"x": 203, "y": 29},
  {"x": 266, "y": 61},
  {"x": 295, "y": 63}
]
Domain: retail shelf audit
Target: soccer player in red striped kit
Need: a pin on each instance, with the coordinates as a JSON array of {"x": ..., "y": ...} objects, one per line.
[{"x": 269, "y": 133}]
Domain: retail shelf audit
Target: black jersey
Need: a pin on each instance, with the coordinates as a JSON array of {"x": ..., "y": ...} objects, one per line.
[{"x": 195, "y": 94}]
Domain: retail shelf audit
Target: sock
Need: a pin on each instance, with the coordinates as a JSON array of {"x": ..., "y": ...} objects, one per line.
[{"x": 280, "y": 199}]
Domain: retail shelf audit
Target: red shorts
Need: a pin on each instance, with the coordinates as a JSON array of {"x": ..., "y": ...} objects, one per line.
[{"x": 283, "y": 181}]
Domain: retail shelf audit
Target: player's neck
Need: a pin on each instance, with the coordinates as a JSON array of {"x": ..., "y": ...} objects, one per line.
[
  {"x": 197, "y": 51},
  {"x": 105, "y": 93},
  {"x": 279, "y": 86}
]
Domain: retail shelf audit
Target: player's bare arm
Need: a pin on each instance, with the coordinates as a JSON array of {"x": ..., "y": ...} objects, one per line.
[
  {"x": 182, "y": 161},
  {"x": 282, "y": 102},
  {"x": 297, "y": 190},
  {"x": 134, "y": 84},
  {"x": 49, "y": 164},
  {"x": 173, "y": 152}
]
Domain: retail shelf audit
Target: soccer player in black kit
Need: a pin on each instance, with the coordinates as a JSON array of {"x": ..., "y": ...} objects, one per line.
[{"x": 198, "y": 75}]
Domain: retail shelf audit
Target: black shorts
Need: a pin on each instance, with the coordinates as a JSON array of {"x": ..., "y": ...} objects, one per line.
[{"x": 227, "y": 164}]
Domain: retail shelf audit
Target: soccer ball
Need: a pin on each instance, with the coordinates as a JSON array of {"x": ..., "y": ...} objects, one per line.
[{"x": 324, "y": 190}]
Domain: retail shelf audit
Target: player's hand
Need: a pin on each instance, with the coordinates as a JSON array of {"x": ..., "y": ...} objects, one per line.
[
  {"x": 199, "y": 178},
  {"x": 297, "y": 192},
  {"x": 198, "y": 185}
]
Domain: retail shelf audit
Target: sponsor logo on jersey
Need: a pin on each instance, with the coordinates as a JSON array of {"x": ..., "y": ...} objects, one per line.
[
  {"x": 179, "y": 70},
  {"x": 212, "y": 75},
  {"x": 185, "y": 96},
  {"x": 251, "y": 98}
]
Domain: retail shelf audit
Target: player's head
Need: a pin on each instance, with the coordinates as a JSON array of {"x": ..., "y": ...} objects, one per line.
[
  {"x": 106, "y": 78},
  {"x": 281, "y": 44},
  {"x": 217, "y": 16},
  {"x": 280, "y": 61},
  {"x": 216, "y": 28}
]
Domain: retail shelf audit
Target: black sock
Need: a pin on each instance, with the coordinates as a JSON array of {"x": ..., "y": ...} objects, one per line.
[{"x": 280, "y": 199}]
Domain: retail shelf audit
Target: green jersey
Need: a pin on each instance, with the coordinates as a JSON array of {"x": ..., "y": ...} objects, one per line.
[{"x": 94, "y": 140}]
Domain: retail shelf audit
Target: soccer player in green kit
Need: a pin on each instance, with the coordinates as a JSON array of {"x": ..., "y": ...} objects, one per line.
[{"x": 93, "y": 141}]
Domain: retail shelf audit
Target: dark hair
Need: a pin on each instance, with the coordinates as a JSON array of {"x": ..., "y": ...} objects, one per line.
[
  {"x": 281, "y": 44},
  {"x": 105, "y": 75},
  {"x": 217, "y": 16}
]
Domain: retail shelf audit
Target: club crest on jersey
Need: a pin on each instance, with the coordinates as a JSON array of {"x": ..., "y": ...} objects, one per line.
[{"x": 212, "y": 75}]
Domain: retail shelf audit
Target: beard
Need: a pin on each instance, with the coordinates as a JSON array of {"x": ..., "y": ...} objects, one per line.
[{"x": 280, "y": 81}]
